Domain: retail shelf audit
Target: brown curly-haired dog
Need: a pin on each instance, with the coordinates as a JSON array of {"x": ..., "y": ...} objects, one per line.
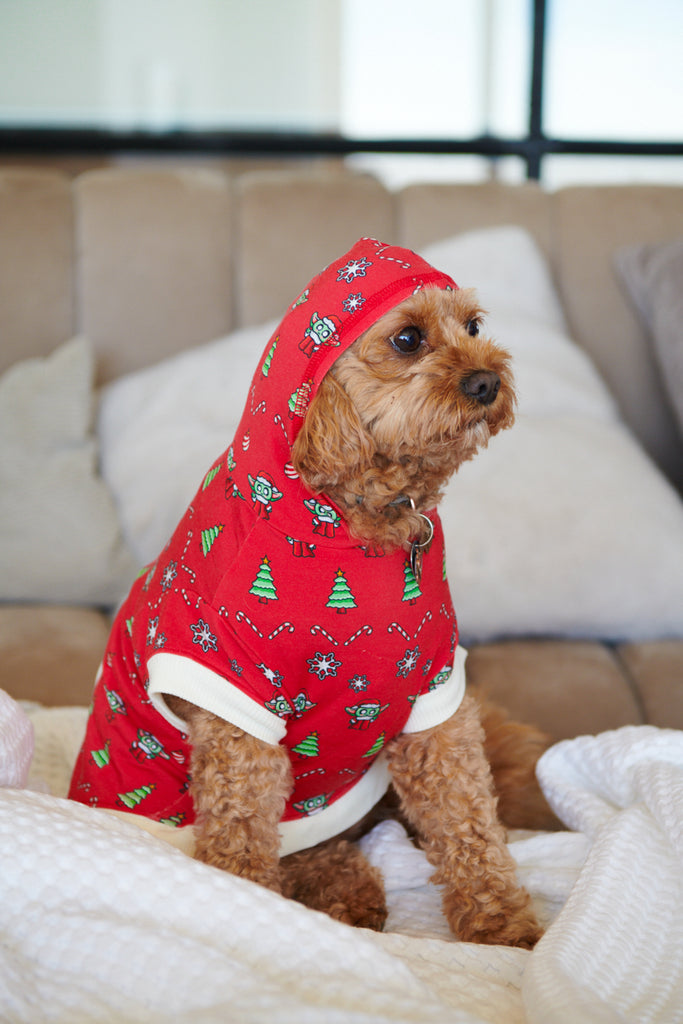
[{"x": 414, "y": 397}]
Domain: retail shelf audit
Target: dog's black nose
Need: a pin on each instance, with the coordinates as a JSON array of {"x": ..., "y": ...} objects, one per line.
[{"x": 482, "y": 385}]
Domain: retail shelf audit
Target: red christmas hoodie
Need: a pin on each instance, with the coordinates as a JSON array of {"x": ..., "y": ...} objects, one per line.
[{"x": 264, "y": 610}]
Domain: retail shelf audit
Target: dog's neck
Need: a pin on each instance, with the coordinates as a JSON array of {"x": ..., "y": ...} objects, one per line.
[{"x": 386, "y": 505}]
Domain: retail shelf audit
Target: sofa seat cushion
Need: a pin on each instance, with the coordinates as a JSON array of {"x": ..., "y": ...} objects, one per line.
[
  {"x": 566, "y": 688},
  {"x": 50, "y": 653}
]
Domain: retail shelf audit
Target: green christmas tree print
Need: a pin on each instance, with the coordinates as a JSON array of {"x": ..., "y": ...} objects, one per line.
[
  {"x": 411, "y": 588},
  {"x": 135, "y": 796},
  {"x": 308, "y": 746},
  {"x": 101, "y": 757},
  {"x": 269, "y": 358},
  {"x": 211, "y": 475},
  {"x": 209, "y": 536},
  {"x": 176, "y": 820},
  {"x": 263, "y": 586},
  {"x": 376, "y": 746},
  {"x": 341, "y": 597}
]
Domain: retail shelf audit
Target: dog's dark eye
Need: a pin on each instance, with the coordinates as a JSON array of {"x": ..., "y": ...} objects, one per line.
[
  {"x": 407, "y": 341},
  {"x": 473, "y": 327}
]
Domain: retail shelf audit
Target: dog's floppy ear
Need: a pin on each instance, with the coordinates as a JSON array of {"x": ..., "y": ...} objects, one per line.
[{"x": 332, "y": 444}]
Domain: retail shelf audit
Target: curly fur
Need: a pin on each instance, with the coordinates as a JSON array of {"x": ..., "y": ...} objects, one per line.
[
  {"x": 385, "y": 431},
  {"x": 384, "y": 424}
]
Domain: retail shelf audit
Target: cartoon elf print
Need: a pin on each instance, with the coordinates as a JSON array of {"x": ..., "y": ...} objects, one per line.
[
  {"x": 116, "y": 705},
  {"x": 147, "y": 748},
  {"x": 325, "y": 518},
  {"x": 279, "y": 705},
  {"x": 322, "y": 330},
  {"x": 363, "y": 715},
  {"x": 301, "y": 548},
  {"x": 440, "y": 678},
  {"x": 302, "y": 704},
  {"x": 263, "y": 493},
  {"x": 312, "y": 805}
]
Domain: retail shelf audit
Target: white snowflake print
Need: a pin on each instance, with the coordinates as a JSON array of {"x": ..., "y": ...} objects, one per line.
[
  {"x": 358, "y": 683},
  {"x": 323, "y": 665},
  {"x": 352, "y": 303},
  {"x": 271, "y": 675},
  {"x": 408, "y": 662},
  {"x": 203, "y": 636},
  {"x": 159, "y": 641},
  {"x": 236, "y": 667},
  {"x": 152, "y": 627},
  {"x": 353, "y": 269},
  {"x": 168, "y": 575}
]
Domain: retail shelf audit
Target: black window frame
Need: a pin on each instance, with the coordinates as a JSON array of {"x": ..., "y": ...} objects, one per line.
[{"x": 532, "y": 148}]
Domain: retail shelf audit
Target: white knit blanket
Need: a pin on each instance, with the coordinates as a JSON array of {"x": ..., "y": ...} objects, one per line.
[{"x": 101, "y": 922}]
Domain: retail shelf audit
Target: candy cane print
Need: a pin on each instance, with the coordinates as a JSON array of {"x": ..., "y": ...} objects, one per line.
[
  {"x": 313, "y": 771},
  {"x": 187, "y": 600},
  {"x": 319, "y": 629},
  {"x": 285, "y": 625},
  {"x": 399, "y": 629},
  {"x": 277, "y": 418},
  {"x": 390, "y": 259},
  {"x": 363, "y": 629},
  {"x": 243, "y": 616},
  {"x": 427, "y": 618}
]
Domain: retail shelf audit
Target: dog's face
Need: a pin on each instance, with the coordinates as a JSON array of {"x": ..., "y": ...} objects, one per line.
[
  {"x": 425, "y": 377},
  {"x": 415, "y": 396}
]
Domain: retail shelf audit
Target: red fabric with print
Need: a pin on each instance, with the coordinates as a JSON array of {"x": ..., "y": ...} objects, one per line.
[{"x": 263, "y": 588}]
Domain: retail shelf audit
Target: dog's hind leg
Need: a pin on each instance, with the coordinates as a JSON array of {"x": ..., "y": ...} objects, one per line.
[
  {"x": 445, "y": 788},
  {"x": 336, "y": 878}
]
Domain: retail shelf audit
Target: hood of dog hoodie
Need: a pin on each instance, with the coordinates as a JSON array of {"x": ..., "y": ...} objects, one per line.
[{"x": 265, "y": 610}]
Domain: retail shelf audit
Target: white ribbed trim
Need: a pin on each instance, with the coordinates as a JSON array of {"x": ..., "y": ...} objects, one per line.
[
  {"x": 439, "y": 704},
  {"x": 303, "y": 833},
  {"x": 183, "y": 677}
]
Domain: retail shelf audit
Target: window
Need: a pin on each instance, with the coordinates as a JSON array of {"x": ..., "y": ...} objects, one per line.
[{"x": 390, "y": 82}]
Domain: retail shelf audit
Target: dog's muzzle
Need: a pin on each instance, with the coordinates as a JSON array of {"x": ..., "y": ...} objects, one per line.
[{"x": 482, "y": 385}]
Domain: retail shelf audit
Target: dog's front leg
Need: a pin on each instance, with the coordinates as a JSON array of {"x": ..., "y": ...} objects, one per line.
[
  {"x": 239, "y": 787},
  {"x": 445, "y": 787}
]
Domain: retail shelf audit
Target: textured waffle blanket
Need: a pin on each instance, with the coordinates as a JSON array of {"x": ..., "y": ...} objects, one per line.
[{"x": 100, "y": 921}]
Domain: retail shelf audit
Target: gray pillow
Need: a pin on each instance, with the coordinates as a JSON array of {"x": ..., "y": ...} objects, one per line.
[
  {"x": 653, "y": 275},
  {"x": 60, "y": 539}
]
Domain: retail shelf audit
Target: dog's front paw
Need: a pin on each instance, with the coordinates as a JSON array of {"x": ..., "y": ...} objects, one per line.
[
  {"x": 336, "y": 878},
  {"x": 493, "y": 921},
  {"x": 364, "y": 908}
]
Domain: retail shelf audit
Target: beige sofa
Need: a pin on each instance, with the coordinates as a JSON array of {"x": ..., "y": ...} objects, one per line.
[{"x": 147, "y": 262}]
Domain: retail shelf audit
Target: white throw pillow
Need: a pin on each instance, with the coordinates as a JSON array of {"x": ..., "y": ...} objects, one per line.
[
  {"x": 60, "y": 539},
  {"x": 563, "y": 526},
  {"x": 161, "y": 428}
]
